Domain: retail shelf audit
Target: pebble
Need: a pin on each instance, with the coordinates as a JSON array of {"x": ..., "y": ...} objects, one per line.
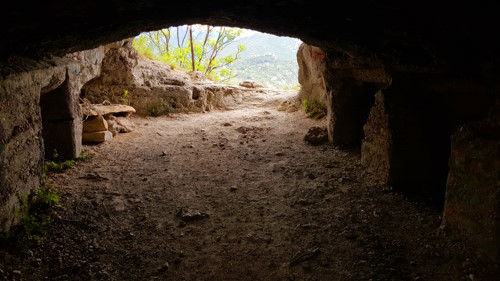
[
  {"x": 163, "y": 268},
  {"x": 233, "y": 188},
  {"x": 16, "y": 272}
]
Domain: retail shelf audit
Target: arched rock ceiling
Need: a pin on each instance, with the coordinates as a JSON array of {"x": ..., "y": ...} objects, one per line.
[{"x": 411, "y": 33}]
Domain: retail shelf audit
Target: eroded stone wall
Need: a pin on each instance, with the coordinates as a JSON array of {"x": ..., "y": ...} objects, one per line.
[
  {"x": 311, "y": 62},
  {"x": 405, "y": 119},
  {"x": 22, "y": 130},
  {"x": 129, "y": 78},
  {"x": 472, "y": 205},
  {"x": 21, "y": 143}
]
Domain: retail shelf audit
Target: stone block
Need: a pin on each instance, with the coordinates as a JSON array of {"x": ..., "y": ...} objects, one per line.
[
  {"x": 95, "y": 124},
  {"x": 97, "y": 137}
]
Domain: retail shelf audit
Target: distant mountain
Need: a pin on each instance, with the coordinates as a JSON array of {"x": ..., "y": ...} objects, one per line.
[{"x": 268, "y": 60}]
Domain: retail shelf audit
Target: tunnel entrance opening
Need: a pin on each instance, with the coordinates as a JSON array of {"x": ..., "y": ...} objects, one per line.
[
  {"x": 264, "y": 199},
  {"x": 153, "y": 71}
]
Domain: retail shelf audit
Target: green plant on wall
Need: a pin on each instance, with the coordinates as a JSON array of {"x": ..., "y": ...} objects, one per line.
[
  {"x": 126, "y": 97},
  {"x": 314, "y": 110},
  {"x": 56, "y": 165},
  {"x": 33, "y": 215},
  {"x": 158, "y": 108}
]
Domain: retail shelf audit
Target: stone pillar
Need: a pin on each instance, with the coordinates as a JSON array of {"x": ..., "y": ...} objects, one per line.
[
  {"x": 351, "y": 94},
  {"x": 406, "y": 143},
  {"x": 377, "y": 143},
  {"x": 472, "y": 204},
  {"x": 62, "y": 126},
  {"x": 311, "y": 70}
]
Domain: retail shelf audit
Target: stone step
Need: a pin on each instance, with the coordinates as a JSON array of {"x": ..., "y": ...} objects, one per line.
[
  {"x": 101, "y": 109},
  {"x": 97, "y": 136}
]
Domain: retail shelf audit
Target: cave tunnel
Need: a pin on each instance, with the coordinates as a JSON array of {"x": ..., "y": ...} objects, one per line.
[{"x": 414, "y": 88}]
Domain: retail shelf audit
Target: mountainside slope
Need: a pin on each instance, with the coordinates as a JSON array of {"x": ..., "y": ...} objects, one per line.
[{"x": 268, "y": 60}]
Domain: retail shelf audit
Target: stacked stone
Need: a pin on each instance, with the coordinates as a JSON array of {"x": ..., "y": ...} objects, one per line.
[{"x": 103, "y": 122}]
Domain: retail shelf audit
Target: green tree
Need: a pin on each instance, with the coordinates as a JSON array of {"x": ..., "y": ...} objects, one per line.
[{"x": 202, "y": 51}]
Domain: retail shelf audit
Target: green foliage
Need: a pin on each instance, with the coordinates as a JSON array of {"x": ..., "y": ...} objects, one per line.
[
  {"x": 56, "y": 165},
  {"x": 158, "y": 108},
  {"x": 314, "y": 110},
  {"x": 208, "y": 42},
  {"x": 33, "y": 215},
  {"x": 292, "y": 87},
  {"x": 82, "y": 157},
  {"x": 126, "y": 97},
  {"x": 53, "y": 166}
]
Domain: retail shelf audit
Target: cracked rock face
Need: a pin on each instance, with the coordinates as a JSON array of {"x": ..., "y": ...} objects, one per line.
[
  {"x": 154, "y": 88},
  {"x": 39, "y": 108}
]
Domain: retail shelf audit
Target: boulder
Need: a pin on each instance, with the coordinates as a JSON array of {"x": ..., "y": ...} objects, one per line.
[
  {"x": 126, "y": 125},
  {"x": 113, "y": 127},
  {"x": 97, "y": 136},
  {"x": 95, "y": 124},
  {"x": 316, "y": 136},
  {"x": 101, "y": 109}
]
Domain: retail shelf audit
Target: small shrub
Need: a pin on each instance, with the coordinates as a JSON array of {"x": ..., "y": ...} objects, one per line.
[
  {"x": 33, "y": 215},
  {"x": 82, "y": 157},
  {"x": 314, "y": 110},
  {"x": 158, "y": 108},
  {"x": 53, "y": 166},
  {"x": 126, "y": 97},
  {"x": 56, "y": 165}
]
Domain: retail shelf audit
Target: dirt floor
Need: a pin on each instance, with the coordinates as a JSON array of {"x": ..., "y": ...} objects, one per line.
[{"x": 234, "y": 195}]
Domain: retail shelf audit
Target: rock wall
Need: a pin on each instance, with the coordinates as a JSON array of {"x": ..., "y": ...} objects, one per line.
[
  {"x": 39, "y": 104},
  {"x": 403, "y": 119},
  {"x": 21, "y": 143},
  {"x": 377, "y": 143},
  {"x": 350, "y": 95},
  {"x": 407, "y": 135},
  {"x": 129, "y": 78},
  {"x": 472, "y": 205},
  {"x": 311, "y": 62}
]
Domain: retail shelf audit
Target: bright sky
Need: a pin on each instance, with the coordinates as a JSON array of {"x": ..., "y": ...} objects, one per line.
[{"x": 247, "y": 32}]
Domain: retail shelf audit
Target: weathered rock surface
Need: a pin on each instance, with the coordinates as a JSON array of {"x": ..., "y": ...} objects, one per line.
[
  {"x": 33, "y": 93},
  {"x": 96, "y": 137},
  {"x": 103, "y": 110},
  {"x": 154, "y": 88},
  {"x": 316, "y": 136},
  {"x": 127, "y": 126},
  {"x": 472, "y": 203},
  {"x": 376, "y": 146},
  {"x": 95, "y": 124},
  {"x": 311, "y": 62}
]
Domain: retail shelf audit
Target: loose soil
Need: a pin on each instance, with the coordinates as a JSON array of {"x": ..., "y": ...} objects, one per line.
[{"x": 234, "y": 195}]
